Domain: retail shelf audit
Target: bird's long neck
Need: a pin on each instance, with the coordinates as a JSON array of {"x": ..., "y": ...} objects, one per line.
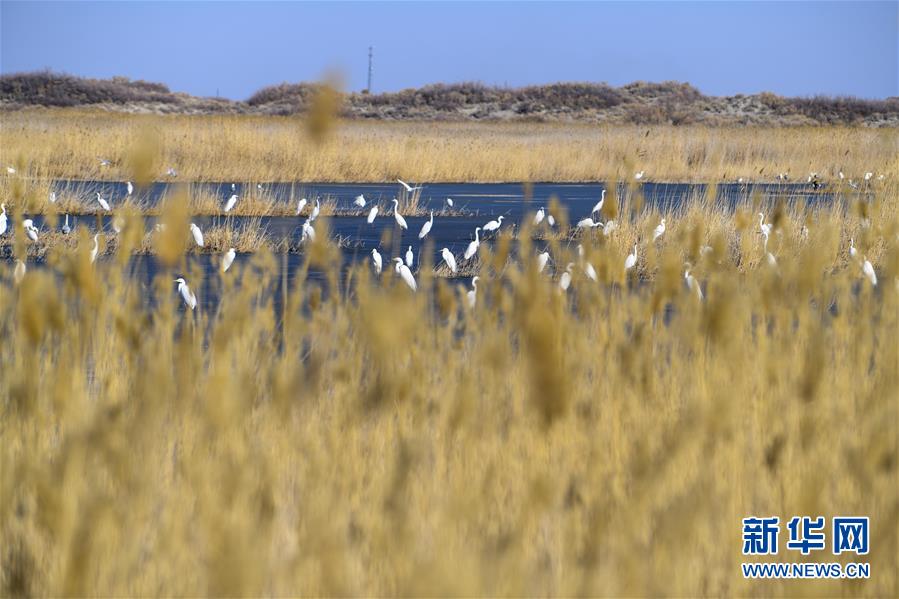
[{"x": 476, "y": 231}]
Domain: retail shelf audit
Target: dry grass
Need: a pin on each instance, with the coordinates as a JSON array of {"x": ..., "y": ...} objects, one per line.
[
  {"x": 67, "y": 144},
  {"x": 540, "y": 444}
]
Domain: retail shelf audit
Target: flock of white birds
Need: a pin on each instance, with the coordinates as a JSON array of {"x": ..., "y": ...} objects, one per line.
[{"x": 403, "y": 266}]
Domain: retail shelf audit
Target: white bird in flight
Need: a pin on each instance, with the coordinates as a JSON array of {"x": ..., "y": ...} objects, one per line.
[
  {"x": 472, "y": 296},
  {"x": 493, "y": 225},
  {"x": 397, "y": 216},
  {"x": 359, "y": 201},
  {"x": 376, "y": 260},
  {"x": 300, "y": 205},
  {"x": 426, "y": 227},
  {"x": 631, "y": 260},
  {"x": 449, "y": 259},
  {"x": 410, "y": 257},
  {"x": 472, "y": 248},
  {"x": 103, "y": 203},
  {"x": 228, "y": 259},
  {"x": 372, "y": 214},
  {"x": 231, "y": 202},
  {"x": 659, "y": 231},
  {"x": 197, "y": 234},
  {"x": 408, "y": 187},
  {"x": 190, "y": 300},
  {"x": 405, "y": 274}
]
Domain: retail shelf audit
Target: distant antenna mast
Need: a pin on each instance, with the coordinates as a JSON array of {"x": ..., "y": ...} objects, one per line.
[{"x": 370, "y": 49}]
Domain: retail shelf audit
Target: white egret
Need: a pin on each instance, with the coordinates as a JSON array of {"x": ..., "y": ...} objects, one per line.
[
  {"x": 408, "y": 187},
  {"x": 853, "y": 253},
  {"x": 609, "y": 227},
  {"x": 300, "y": 205},
  {"x": 397, "y": 216},
  {"x": 118, "y": 223},
  {"x": 631, "y": 260},
  {"x": 472, "y": 296},
  {"x": 841, "y": 175},
  {"x": 10, "y": 170},
  {"x": 103, "y": 203},
  {"x": 449, "y": 259},
  {"x": 542, "y": 259},
  {"x": 639, "y": 175},
  {"x": 598, "y": 207},
  {"x": 228, "y": 259},
  {"x": 472, "y": 248},
  {"x": 52, "y": 197},
  {"x": 233, "y": 188},
  {"x": 410, "y": 257},
  {"x": 376, "y": 259},
  {"x": 493, "y": 225},
  {"x": 197, "y": 234},
  {"x": 130, "y": 187},
  {"x": 30, "y": 230},
  {"x": 231, "y": 202},
  {"x": 3, "y": 219},
  {"x": 308, "y": 231},
  {"x": 772, "y": 260},
  {"x": 587, "y": 223},
  {"x": 259, "y": 187},
  {"x": 372, "y": 214},
  {"x": 190, "y": 300},
  {"x": 868, "y": 270},
  {"x": 359, "y": 201},
  {"x": 104, "y": 162},
  {"x": 692, "y": 283},
  {"x": 551, "y": 220},
  {"x": 96, "y": 248},
  {"x": 315, "y": 210},
  {"x": 19, "y": 272},
  {"x": 405, "y": 274},
  {"x": 426, "y": 228},
  {"x": 868, "y": 176},
  {"x": 764, "y": 227},
  {"x": 659, "y": 231},
  {"x": 538, "y": 218},
  {"x": 588, "y": 268},
  {"x": 449, "y": 202},
  {"x": 171, "y": 172},
  {"x": 66, "y": 229},
  {"x": 565, "y": 279}
]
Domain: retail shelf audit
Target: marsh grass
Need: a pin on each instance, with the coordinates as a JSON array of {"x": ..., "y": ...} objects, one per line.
[{"x": 65, "y": 144}]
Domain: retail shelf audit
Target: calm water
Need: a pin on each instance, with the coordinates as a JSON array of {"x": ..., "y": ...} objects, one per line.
[{"x": 478, "y": 204}]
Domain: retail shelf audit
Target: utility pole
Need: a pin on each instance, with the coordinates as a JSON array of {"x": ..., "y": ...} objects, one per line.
[{"x": 368, "y": 89}]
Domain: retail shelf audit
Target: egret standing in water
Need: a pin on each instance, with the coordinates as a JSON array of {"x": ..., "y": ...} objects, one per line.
[
  {"x": 410, "y": 257},
  {"x": 372, "y": 214},
  {"x": 3, "y": 219},
  {"x": 472, "y": 248},
  {"x": 472, "y": 295},
  {"x": 376, "y": 260},
  {"x": 868, "y": 270},
  {"x": 538, "y": 218},
  {"x": 190, "y": 300},
  {"x": 96, "y": 248},
  {"x": 449, "y": 202},
  {"x": 308, "y": 231},
  {"x": 315, "y": 211},
  {"x": 66, "y": 229},
  {"x": 631, "y": 260},
  {"x": 300, "y": 205},
  {"x": 659, "y": 231},
  {"x": 103, "y": 203},
  {"x": 426, "y": 228},
  {"x": 19, "y": 272},
  {"x": 397, "y": 216},
  {"x": 493, "y": 225},
  {"x": 449, "y": 259},
  {"x": 542, "y": 259},
  {"x": 228, "y": 259},
  {"x": 359, "y": 201},
  {"x": 405, "y": 274},
  {"x": 197, "y": 234},
  {"x": 598, "y": 207},
  {"x": 130, "y": 187}
]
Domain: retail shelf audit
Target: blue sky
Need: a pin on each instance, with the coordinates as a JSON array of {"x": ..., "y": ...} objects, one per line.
[{"x": 234, "y": 48}]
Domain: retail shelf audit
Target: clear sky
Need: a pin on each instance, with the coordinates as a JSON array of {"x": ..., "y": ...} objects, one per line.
[{"x": 791, "y": 48}]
